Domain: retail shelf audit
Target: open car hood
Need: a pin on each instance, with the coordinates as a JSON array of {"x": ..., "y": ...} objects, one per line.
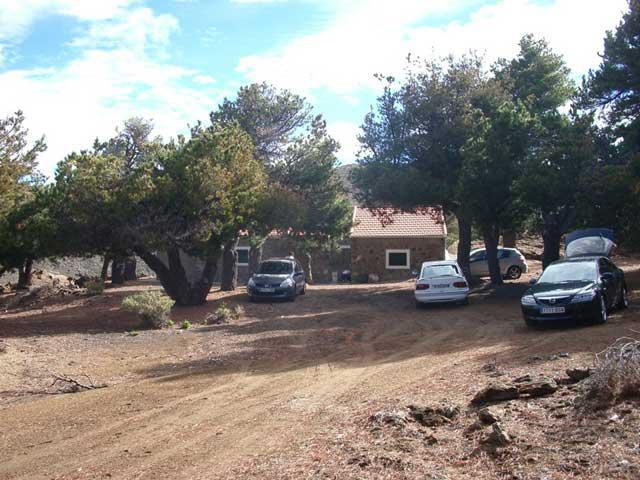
[{"x": 589, "y": 241}]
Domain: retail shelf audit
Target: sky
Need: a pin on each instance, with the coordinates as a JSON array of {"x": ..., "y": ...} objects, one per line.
[{"x": 79, "y": 68}]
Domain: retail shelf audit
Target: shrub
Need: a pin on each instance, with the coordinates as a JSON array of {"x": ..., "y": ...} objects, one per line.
[
  {"x": 153, "y": 307},
  {"x": 616, "y": 375},
  {"x": 94, "y": 287},
  {"x": 223, "y": 314},
  {"x": 185, "y": 324}
]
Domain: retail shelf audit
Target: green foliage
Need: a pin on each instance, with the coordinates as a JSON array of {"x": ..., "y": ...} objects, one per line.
[
  {"x": 223, "y": 314},
  {"x": 186, "y": 324},
  {"x": 95, "y": 287},
  {"x": 153, "y": 308},
  {"x": 615, "y": 86},
  {"x": 18, "y": 162},
  {"x": 304, "y": 196}
]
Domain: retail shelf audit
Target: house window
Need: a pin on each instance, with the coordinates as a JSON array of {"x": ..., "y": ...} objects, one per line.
[
  {"x": 243, "y": 256},
  {"x": 398, "y": 259}
]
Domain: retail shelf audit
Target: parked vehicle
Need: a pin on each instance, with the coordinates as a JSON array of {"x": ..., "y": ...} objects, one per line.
[
  {"x": 586, "y": 285},
  {"x": 512, "y": 263},
  {"x": 441, "y": 281},
  {"x": 277, "y": 278}
]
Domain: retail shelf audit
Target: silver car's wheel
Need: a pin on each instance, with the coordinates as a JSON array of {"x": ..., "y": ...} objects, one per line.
[
  {"x": 514, "y": 272},
  {"x": 624, "y": 301}
]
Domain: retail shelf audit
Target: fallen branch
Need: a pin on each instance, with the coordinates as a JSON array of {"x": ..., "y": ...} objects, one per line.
[{"x": 73, "y": 385}]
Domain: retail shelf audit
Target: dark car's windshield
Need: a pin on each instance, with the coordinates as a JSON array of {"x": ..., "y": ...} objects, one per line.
[
  {"x": 569, "y": 271},
  {"x": 275, "y": 268}
]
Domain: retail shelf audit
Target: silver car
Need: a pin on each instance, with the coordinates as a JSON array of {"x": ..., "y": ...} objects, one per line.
[{"x": 512, "y": 263}]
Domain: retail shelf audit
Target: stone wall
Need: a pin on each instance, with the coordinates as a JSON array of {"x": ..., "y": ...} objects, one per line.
[{"x": 368, "y": 256}]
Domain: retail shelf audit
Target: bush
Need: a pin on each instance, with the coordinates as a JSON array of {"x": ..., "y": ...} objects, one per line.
[
  {"x": 94, "y": 287},
  {"x": 223, "y": 314},
  {"x": 616, "y": 375},
  {"x": 153, "y": 307},
  {"x": 185, "y": 324}
]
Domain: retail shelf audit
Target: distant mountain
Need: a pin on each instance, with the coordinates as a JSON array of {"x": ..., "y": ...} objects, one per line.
[{"x": 344, "y": 172}]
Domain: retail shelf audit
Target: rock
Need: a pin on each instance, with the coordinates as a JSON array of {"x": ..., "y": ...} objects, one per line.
[
  {"x": 433, "y": 416},
  {"x": 496, "y": 392},
  {"x": 578, "y": 374},
  {"x": 475, "y": 426},
  {"x": 497, "y": 438},
  {"x": 538, "y": 388},
  {"x": 373, "y": 278},
  {"x": 523, "y": 378},
  {"x": 563, "y": 355},
  {"x": 397, "y": 418},
  {"x": 488, "y": 416}
]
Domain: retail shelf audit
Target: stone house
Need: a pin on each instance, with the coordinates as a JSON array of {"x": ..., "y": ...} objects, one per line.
[
  {"x": 390, "y": 245},
  {"x": 383, "y": 245}
]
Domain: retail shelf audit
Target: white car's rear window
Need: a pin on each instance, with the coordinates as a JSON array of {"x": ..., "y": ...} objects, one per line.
[{"x": 439, "y": 271}]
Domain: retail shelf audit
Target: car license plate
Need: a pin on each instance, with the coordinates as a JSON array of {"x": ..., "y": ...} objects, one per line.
[
  {"x": 548, "y": 310},
  {"x": 267, "y": 290},
  {"x": 442, "y": 285}
]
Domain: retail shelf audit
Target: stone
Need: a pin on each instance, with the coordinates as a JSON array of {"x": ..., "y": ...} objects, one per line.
[
  {"x": 496, "y": 392},
  {"x": 396, "y": 418},
  {"x": 578, "y": 374},
  {"x": 433, "y": 416},
  {"x": 488, "y": 416},
  {"x": 497, "y": 438},
  {"x": 538, "y": 388}
]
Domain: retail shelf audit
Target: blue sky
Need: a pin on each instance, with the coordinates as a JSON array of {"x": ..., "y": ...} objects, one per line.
[{"x": 78, "y": 68}]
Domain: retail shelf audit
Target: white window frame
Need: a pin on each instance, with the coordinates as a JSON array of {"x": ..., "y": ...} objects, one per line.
[
  {"x": 248, "y": 249},
  {"x": 407, "y": 251}
]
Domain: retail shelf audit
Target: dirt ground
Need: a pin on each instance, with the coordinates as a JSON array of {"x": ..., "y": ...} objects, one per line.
[{"x": 287, "y": 390}]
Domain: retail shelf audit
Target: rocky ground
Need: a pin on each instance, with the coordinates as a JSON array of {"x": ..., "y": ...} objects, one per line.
[{"x": 350, "y": 381}]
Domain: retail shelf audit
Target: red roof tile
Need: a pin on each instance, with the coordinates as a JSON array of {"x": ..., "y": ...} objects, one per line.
[{"x": 387, "y": 222}]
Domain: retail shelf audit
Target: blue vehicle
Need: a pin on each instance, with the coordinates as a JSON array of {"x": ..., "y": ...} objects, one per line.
[{"x": 277, "y": 278}]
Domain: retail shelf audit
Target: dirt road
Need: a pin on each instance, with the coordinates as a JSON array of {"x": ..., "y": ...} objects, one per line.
[{"x": 284, "y": 392}]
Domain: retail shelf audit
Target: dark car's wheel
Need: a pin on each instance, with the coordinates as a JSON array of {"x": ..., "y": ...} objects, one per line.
[
  {"x": 602, "y": 315},
  {"x": 514, "y": 272},
  {"x": 623, "y": 301}
]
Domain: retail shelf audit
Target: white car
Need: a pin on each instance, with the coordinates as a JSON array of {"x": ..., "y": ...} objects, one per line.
[{"x": 441, "y": 281}]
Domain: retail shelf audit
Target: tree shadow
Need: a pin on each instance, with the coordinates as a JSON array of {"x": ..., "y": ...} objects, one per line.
[{"x": 358, "y": 327}]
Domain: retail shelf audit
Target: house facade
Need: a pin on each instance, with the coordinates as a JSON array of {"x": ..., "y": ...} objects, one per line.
[
  {"x": 389, "y": 245},
  {"x": 384, "y": 245}
]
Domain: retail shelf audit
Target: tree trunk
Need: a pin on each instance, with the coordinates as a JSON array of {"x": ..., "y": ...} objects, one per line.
[
  {"x": 174, "y": 278},
  {"x": 464, "y": 247},
  {"x": 555, "y": 224},
  {"x": 509, "y": 238},
  {"x": 551, "y": 236},
  {"x": 24, "y": 275},
  {"x": 255, "y": 257},
  {"x": 490, "y": 234},
  {"x": 229, "y": 280},
  {"x": 309, "y": 274},
  {"x": 105, "y": 268},
  {"x": 130, "y": 265},
  {"x": 117, "y": 271}
]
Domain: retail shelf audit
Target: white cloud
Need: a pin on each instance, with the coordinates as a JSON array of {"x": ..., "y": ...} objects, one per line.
[
  {"x": 367, "y": 38},
  {"x": 346, "y": 133},
  {"x": 203, "y": 80},
  {"x": 138, "y": 29},
  {"x": 118, "y": 73},
  {"x": 17, "y": 15}
]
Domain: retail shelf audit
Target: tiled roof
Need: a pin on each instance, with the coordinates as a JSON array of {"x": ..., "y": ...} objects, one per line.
[{"x": 387, "y": 222}]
